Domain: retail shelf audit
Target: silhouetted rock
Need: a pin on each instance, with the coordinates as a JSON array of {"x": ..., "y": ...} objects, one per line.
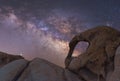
[
  {"x": 6, "y": 58},
  {"x": 99, "y": 56}
]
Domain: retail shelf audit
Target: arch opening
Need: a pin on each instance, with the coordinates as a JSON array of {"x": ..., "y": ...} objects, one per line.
[{"x": 80, "y": 48}]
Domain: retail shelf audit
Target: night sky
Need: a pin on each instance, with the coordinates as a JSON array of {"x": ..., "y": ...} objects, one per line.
[{"x": 43, "y": 28}]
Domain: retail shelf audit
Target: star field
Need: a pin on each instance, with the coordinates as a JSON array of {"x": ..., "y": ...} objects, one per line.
[{"x": 43, "y": 28}]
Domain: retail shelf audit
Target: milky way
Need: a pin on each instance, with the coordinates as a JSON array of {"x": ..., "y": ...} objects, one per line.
[{"x": 43, "y": 28}]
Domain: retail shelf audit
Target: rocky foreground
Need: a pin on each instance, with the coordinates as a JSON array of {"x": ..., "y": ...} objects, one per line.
[
  {"x": 42, "y": 70},
  {"x": 16, "y": 68},
  {"x": 35, "y": 70}
]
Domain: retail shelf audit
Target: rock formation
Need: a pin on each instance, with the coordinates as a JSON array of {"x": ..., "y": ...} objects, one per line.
[
  {"x": 35, "y": 70},
  {"x": 41, "y": 70},
  {"x": 99, "y": 56}
]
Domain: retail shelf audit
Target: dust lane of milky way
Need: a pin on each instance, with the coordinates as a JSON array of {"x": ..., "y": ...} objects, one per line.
[{"x": 43, "y": 28}]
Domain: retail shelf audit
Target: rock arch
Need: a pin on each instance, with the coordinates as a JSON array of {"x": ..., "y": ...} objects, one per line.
[{"x": 103, "y": 42}]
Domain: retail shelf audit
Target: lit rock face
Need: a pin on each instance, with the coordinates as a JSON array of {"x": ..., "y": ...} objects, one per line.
[
  {"x": 115, "y": 76},
  {"x": 98, "y": 59}
]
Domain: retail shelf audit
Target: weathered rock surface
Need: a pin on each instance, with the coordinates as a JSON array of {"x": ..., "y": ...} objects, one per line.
[
  {"x": 99, "y": 56},
  {"x": 6, "y": 58}
]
